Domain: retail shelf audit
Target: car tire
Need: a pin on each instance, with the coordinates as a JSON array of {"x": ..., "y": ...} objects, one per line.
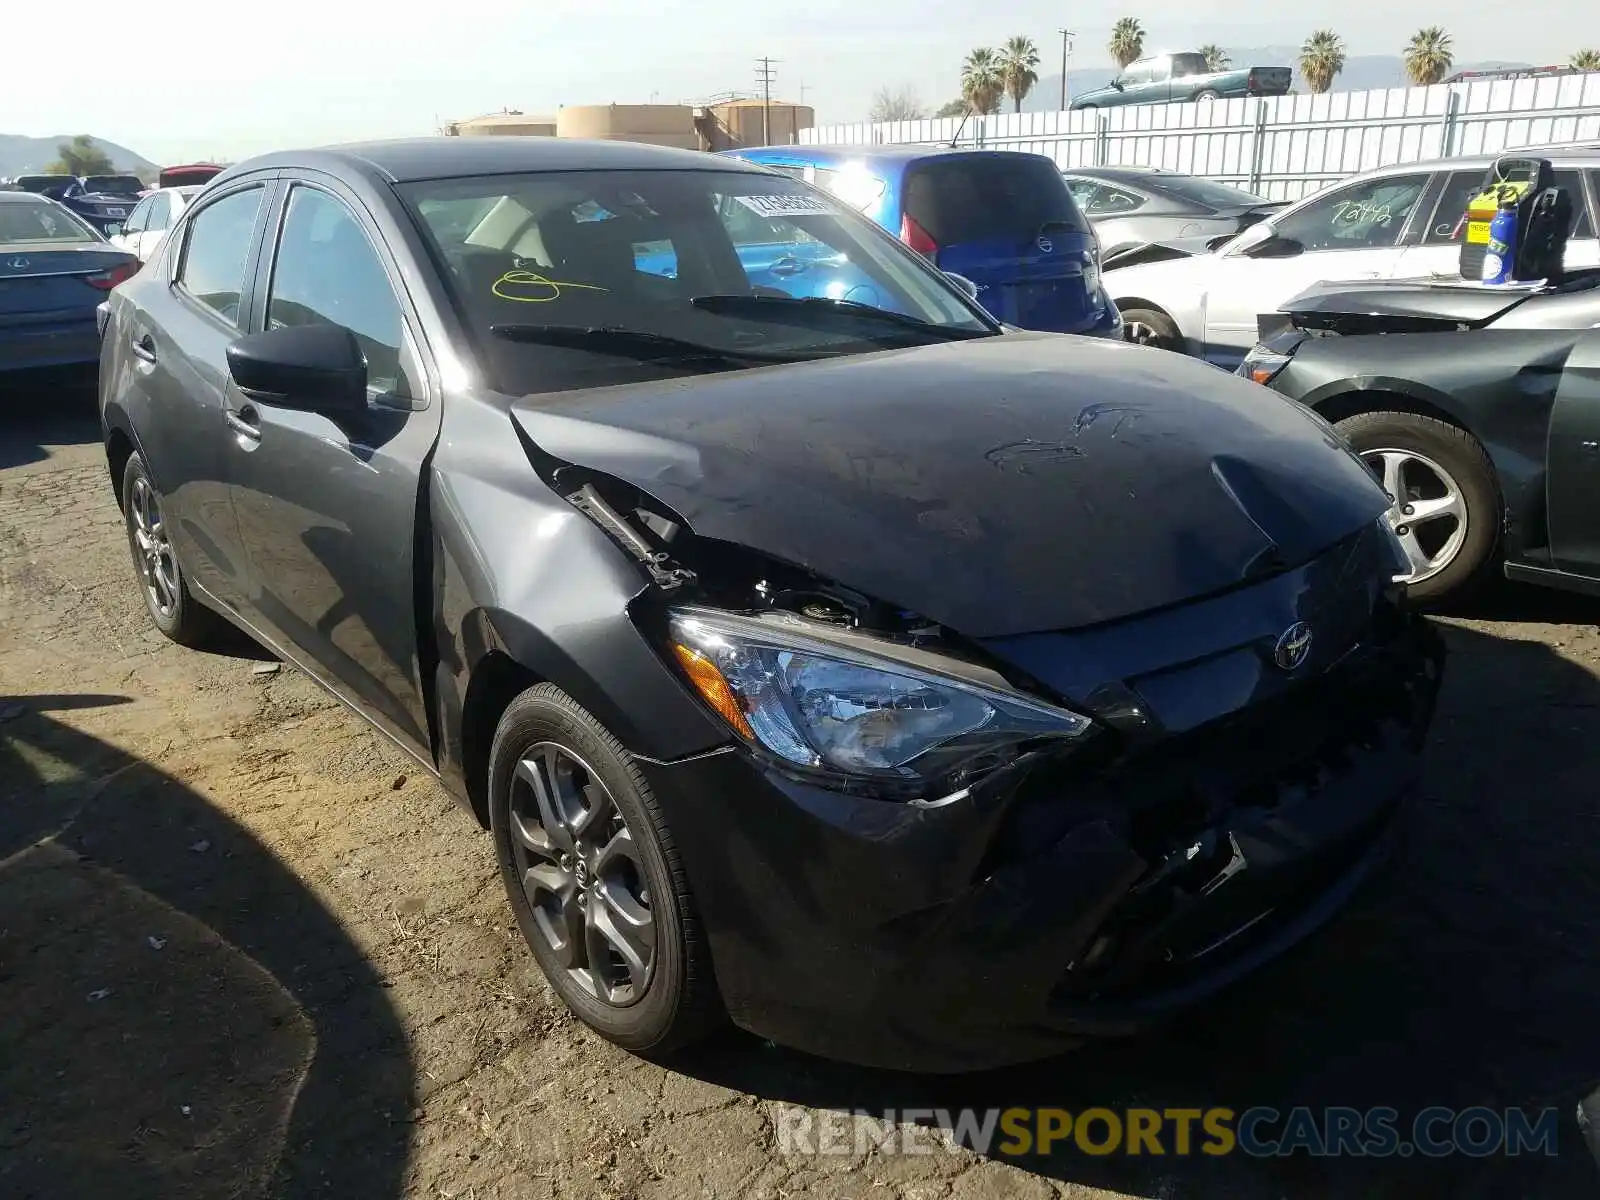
[
  {"x": 172, "y": 608},
  {"x": 678, "y": 1002},
  {"x": 1208, "y": 94},
  {"x": 1458, "y": 463},
  {"x": 1151, "y": 327}
]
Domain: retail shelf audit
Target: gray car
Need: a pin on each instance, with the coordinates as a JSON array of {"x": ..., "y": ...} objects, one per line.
[{"x": 1134, "y": 206}]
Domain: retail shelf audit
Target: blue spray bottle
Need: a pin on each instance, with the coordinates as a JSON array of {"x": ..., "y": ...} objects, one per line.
[{"x": 1499, "y": 264}]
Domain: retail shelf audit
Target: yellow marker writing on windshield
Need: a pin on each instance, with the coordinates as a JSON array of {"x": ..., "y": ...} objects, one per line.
[{"x": 546, "y": 289}]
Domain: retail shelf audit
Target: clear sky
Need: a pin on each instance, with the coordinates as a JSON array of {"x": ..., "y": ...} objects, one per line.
[{"x": 182, "y": 79}]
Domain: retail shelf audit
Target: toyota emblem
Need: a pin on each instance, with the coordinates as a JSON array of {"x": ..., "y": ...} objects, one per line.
[
  {"x": 1046, "y": 245},
  {"x": 1293, "y": 647}
]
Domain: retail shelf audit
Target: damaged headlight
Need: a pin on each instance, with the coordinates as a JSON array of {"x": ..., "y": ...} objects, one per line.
[{"x": 845, "y": 707}]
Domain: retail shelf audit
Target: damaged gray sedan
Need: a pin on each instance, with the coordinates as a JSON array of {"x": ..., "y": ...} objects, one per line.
[{"x": 905, "y": 689}]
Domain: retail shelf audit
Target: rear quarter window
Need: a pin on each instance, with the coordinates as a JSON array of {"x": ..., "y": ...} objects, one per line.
[{"x": 989, "y": 196}]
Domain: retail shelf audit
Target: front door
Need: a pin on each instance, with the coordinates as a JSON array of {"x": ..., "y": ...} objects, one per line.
[
  {"x": 328, "y": 508},
  {"x": 1346, "y": 233},
  {"x": 1573, "y": 461}
]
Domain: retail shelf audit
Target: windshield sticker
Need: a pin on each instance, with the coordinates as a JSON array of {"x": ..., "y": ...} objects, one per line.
[
  {"x": 530, "y": 287},
  {"x": 787, "y": 206}
]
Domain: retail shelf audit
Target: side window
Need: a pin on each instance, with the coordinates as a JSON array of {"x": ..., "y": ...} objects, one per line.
[
  {"x": 1082, "y": 190},
  {"x": 1572, "y": 183},
  {"x": 1158, "y": 70},
  {"x": 160, "y": 212},
  {"x": 1363, "y": 216},
  {"x": 1449, "y": 215},
  {"x": 137, "y": 218},
  {"x": 1110, "y": 201},
  {"x": 326, "y": 272},
  {"x": 216, "y": 251}
]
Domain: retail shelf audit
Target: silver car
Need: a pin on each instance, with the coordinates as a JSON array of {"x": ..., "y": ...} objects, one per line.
[
  {"x": 1402, "y": 222},
  {"x": 1133, "y": 206}
]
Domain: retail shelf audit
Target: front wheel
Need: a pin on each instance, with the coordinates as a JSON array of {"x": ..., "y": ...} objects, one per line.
[
  {"x": 173, "y": 610},
  {"x": 1447, "y": 508},
  {"x": 593, "y": 876},
  {"x": 1208, "y": 94}
]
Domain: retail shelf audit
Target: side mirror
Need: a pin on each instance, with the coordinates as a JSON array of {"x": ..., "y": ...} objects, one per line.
[
  {"x": 314, "y": 368},
  {"x": 965, "y": 284},
  {"x": 1118, "y": 84},
  {"x": 1276, "y": 247}
]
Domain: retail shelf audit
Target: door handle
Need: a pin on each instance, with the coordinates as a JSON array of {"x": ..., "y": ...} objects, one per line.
[
  {"x": 246, "y": 422},
  {"x": 144, "y": 348}
]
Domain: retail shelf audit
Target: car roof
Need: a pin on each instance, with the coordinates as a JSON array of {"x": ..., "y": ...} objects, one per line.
[
  {"x": 404, "y": 160},
  {"x": 898, "y": 154},
  {"x": 19, "y": 196}
]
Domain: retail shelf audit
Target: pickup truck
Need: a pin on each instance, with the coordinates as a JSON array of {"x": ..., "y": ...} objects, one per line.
[{"x": 1170, "y": 78}]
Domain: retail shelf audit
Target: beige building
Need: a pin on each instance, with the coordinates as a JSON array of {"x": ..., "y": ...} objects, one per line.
[{"x": 725, "y": 125}]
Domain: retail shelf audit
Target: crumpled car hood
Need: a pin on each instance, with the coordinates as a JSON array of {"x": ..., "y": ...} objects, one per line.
[{"x": 1004, "y": 485}]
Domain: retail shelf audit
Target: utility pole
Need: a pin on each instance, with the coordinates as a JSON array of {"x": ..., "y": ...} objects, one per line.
[
  {"x": 764, "y": 76},
  {"x": 1066, "y": 53}
]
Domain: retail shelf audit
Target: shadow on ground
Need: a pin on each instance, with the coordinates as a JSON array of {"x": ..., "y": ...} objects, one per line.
[
  {"x": 182, "y": 1016},
  {"x": 46, "y": 410},
  {"x": 1465, "y": 974}
]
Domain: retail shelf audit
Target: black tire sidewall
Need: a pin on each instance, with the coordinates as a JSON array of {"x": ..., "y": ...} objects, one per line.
[
  {"x": 544, "y": 713},
  {"x": 1167, "y": 335},
  {"x": 1460, "y": 454}
]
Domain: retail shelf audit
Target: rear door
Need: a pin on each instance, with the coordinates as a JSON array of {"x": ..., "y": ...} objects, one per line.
[
  {"x": 179, "y": 345},
  {"x": 327, "y": 508},
  {"x": 1437, "y": 252},
  {"x": 1008, "y": 223}
]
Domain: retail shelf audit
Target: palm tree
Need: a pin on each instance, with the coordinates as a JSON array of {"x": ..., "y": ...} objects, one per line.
[
  {"x": 1321, "y": 58},
  {"x": 982, "y": 81},
  {"x": 1428, "y": 56},
  {"x": 1019, "y": 68},
  {"x": 1127, "y": 40},
  {"x": 1216, "y": 57},
  {"x": 1586, "y": 60}
]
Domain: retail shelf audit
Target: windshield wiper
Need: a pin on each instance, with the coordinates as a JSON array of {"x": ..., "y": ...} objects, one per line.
[
  {"x": 744, "y": 304},
  {"x": 643, "y": 344}
]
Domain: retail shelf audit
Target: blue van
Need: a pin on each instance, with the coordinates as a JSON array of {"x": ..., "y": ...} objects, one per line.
[{"x": 1002, "y": 219}]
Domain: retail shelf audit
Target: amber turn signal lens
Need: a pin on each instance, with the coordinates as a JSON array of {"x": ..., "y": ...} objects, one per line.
[
  {"x": 713, "y": 688},
  {"x": 1262, "y": 374}
]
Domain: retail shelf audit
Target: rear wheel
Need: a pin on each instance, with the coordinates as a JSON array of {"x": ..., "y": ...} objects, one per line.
[
  {"x": 1150, "y": 327},
  {"x": 1447, "y": 508},
  {"x": 593, "y": 876},
  {"x": 1208, "y": 94},
  {"x": 173, "y": 610}
]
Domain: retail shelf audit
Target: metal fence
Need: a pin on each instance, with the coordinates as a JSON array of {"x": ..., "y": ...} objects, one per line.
[{"x": 1283, "y": 147}]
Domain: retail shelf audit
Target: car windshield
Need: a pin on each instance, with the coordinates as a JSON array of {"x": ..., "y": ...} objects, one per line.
[
  {"x": 581, "y": 279},
  {"x": 1203, "y": 191},
  {"x": 33, "y": 221},
  {"x": 117, "y": 185}
]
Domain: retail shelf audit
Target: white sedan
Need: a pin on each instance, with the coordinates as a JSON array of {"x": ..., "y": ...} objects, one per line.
[
  {"x": 1393, "y": 223},
  {"x": 148, "y": 223}
]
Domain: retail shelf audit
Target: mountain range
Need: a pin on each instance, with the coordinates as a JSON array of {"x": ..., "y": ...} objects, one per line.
[
  {"x": 24, "y": 155},
  {"x": 1361, "y": 72}
]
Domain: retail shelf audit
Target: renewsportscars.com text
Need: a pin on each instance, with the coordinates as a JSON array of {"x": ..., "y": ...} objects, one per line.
[{"x": 1260, "y": 1132}]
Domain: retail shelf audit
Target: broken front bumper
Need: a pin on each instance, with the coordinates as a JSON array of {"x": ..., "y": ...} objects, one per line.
[{"x": 986, "y": 931}]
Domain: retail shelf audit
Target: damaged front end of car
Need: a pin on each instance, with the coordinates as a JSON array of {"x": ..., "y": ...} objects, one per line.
[{"x": 928, "y": 851}]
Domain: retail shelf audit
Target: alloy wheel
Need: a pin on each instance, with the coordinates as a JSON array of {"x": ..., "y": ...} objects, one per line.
[
  {"x": 582, "y": 874},
  {"x": 1428, "y": 512},
  {"x": 158, "y": 565}
]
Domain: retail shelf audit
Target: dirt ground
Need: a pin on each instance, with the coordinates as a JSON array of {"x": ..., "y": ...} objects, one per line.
[{"x": 246, "y": 950}]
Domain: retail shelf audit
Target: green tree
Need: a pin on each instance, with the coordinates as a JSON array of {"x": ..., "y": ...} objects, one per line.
[
  {"x": 81, "y": 156},
  {"x": 1428, "y": 56},
  {"x": 982, "y": 81},
  {"x": 896, "y": 104},
  {"x": 1586, "y": 60},
  {"x": 1019, "y": 69},
  {"x": 1321, "y": 58},
  {"x": 951, "y": 108},
  {"x": 1127, "y": 40},
  {"x": 1216, "y": 57}
]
